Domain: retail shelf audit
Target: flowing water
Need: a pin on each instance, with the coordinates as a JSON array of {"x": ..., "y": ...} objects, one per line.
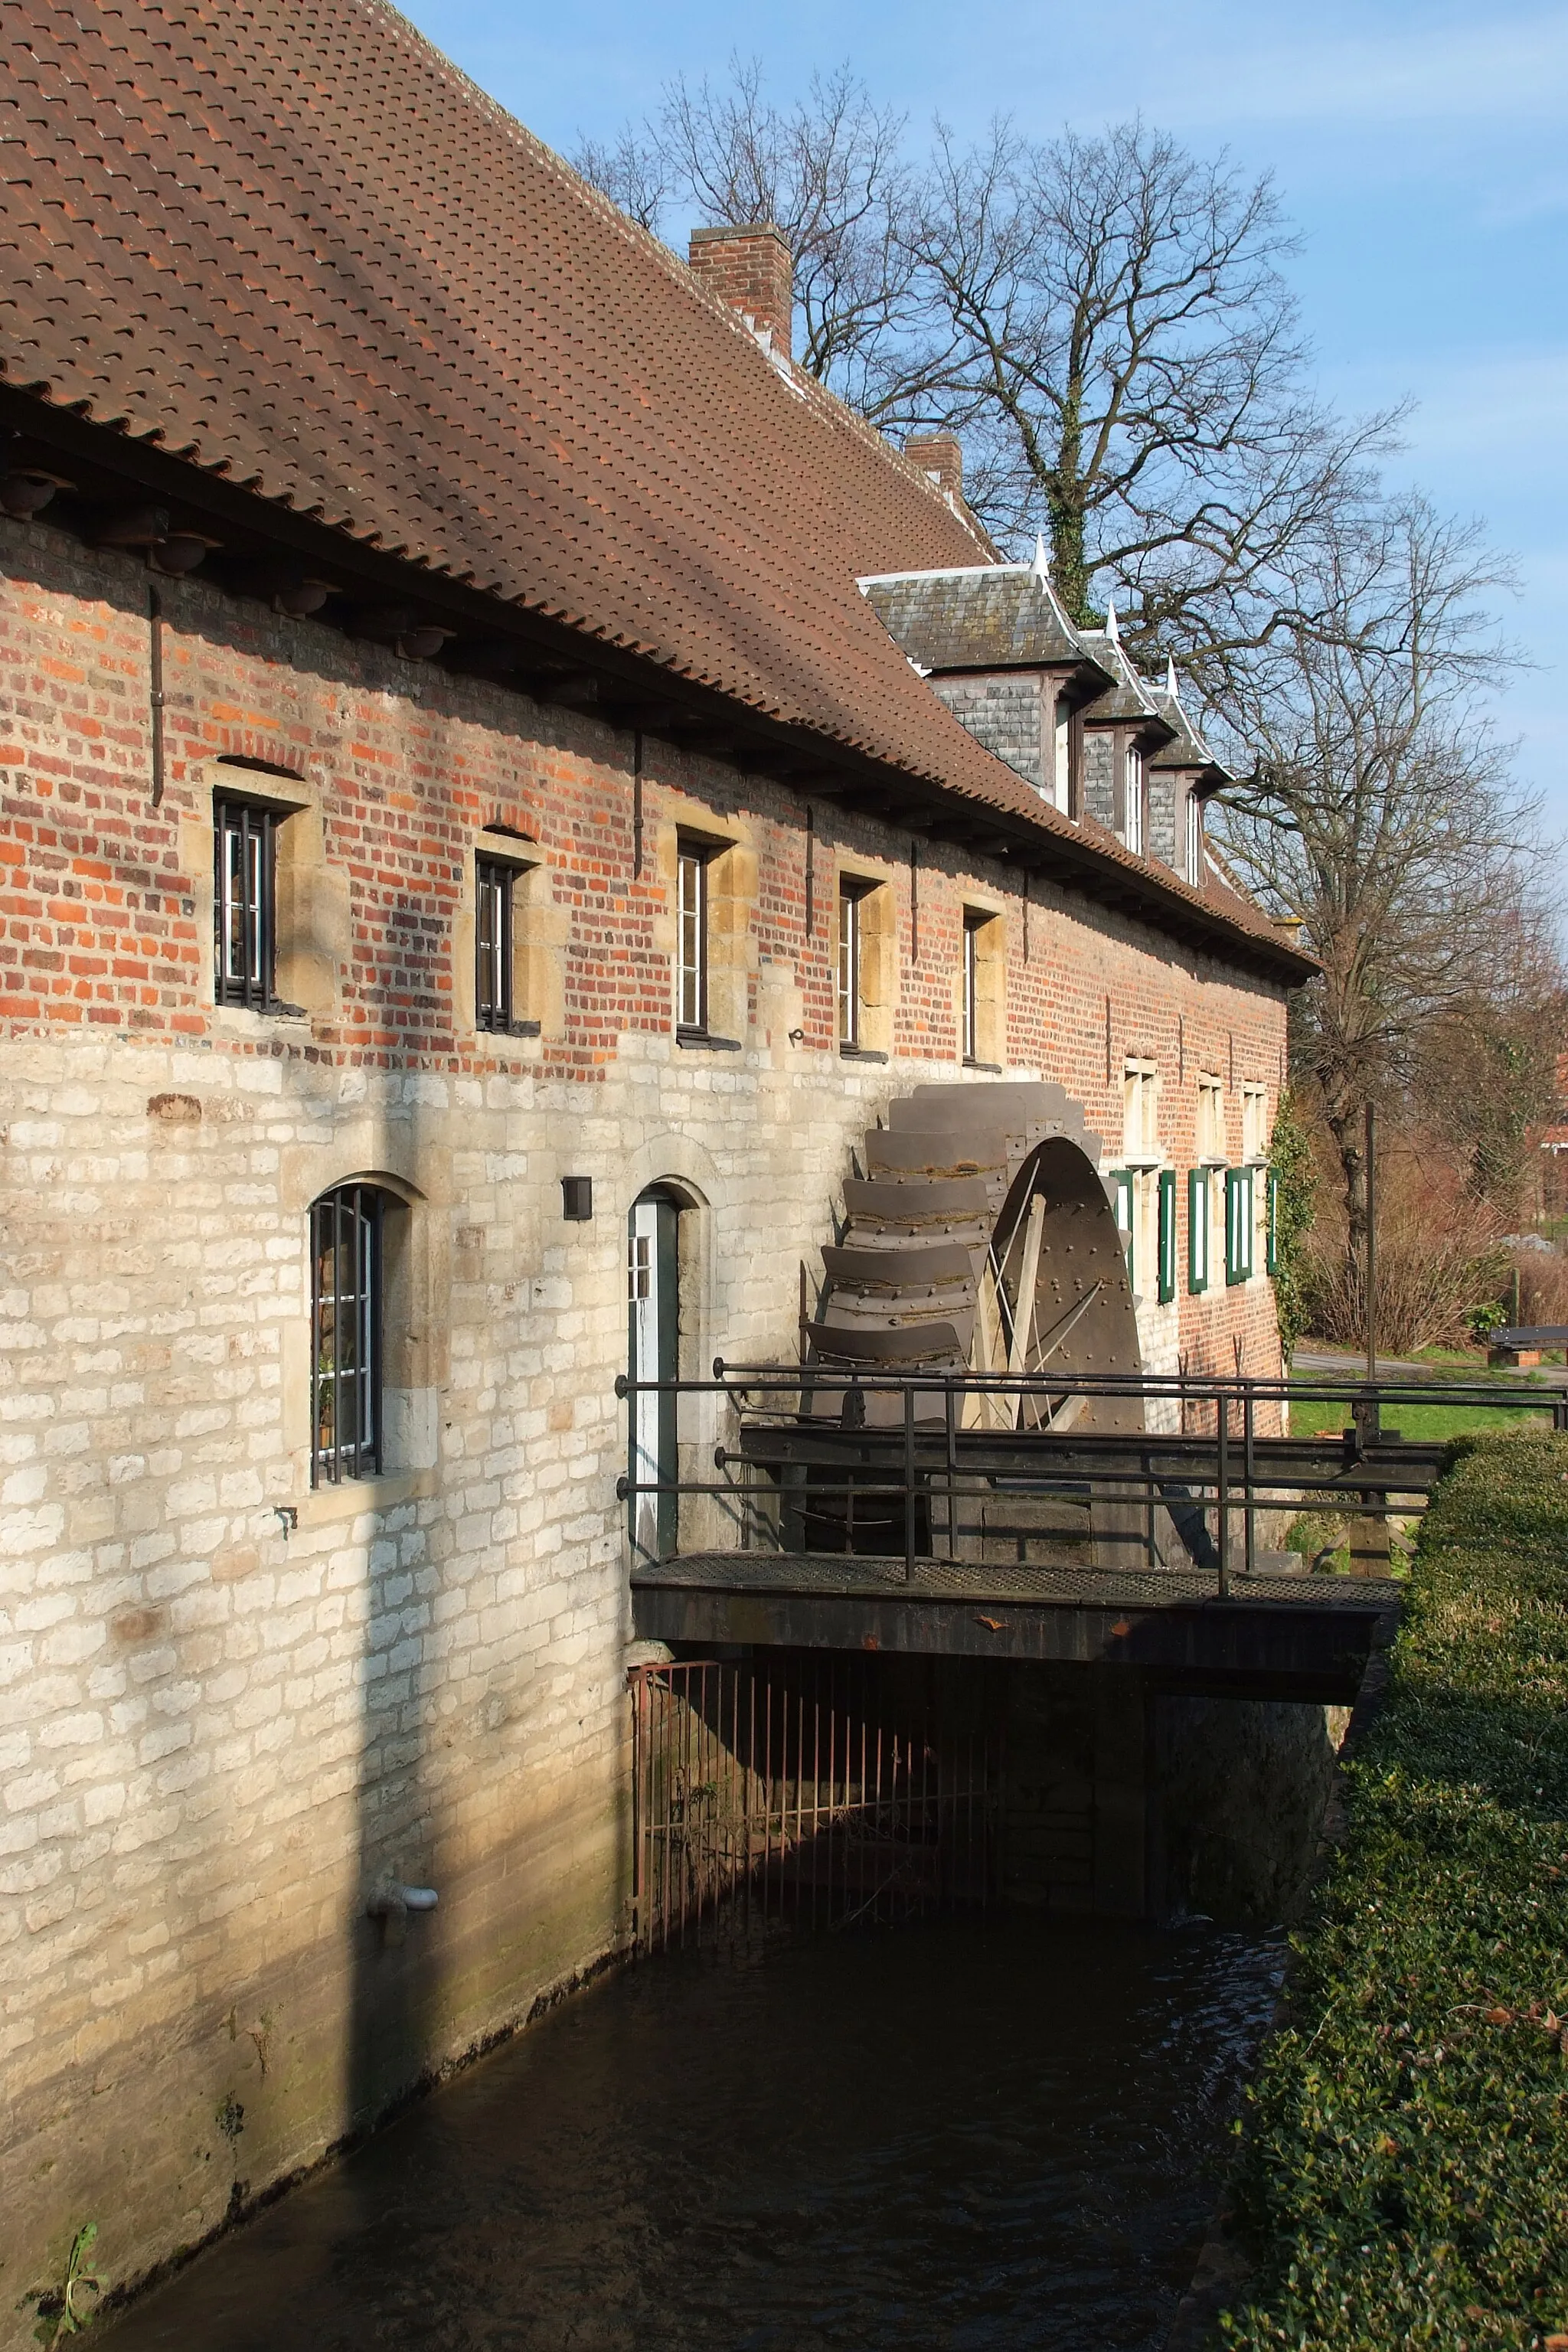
[{"x": 959, "y": 2135}]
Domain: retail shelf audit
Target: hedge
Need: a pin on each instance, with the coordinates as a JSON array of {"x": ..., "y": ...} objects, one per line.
[{"x": 1401, "y": 2174}]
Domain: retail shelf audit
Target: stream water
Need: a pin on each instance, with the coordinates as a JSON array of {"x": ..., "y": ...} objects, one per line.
[{"x": 962, "y": 2135}]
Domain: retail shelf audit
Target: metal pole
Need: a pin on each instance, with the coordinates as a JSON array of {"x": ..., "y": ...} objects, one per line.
[
  {"x": 909, "y": 1484},
  {"x": 951, "y": 1469},
  {"x": 1222, "y": 1494},
  {"x": 1371, "y": 1243},
  {"x": 1249, "y": 1519}
]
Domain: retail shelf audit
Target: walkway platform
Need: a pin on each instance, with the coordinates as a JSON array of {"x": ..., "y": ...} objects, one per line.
[{"x": 1274, "y": 1637}]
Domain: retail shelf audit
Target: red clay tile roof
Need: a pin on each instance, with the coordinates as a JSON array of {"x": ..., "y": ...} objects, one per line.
[{"x": 289, "y": 243}]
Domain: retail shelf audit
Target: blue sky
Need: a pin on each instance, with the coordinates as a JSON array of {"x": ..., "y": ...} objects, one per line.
[{"x": 1417, "y": 147}]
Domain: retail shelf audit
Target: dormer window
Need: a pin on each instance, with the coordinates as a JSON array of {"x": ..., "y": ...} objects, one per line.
[
  {"x": 1133, "y": 828},
  {"x": 1061, "y": 770},
  {"x": 1192, "y": 840}
]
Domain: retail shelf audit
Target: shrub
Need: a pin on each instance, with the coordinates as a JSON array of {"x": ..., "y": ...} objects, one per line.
[
  {"x": 1403, "y": 2175},
  {"x": 1292, "y": 1165},
  {"x": 1438, "y": 1254}
]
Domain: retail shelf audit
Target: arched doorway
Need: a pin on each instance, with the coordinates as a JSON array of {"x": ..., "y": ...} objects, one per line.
[{"x": 653, "y": 1353}]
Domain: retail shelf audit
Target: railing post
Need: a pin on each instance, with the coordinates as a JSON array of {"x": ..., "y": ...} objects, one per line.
[
  {"x": 1249, "y": 1474},
  {"x": 1221, "y": 1488},
  {"x": 952, "y": 1467},
  {"x": 908, "y": 1482}
]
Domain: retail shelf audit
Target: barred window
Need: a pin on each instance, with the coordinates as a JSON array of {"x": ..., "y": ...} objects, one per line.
[
  {"x": 345, "y": 1334},
  {"x": 492, "y": 931},
  {"x": 245, "y": 920}
]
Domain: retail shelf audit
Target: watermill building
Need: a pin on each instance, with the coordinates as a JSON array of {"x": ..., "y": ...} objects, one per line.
[{"x": 507, "y": 786}]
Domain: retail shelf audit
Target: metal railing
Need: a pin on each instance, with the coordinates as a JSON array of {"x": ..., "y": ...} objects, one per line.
[
  {"x": 802, "y": 1788},
  {"x": 918, "y": 1466}
]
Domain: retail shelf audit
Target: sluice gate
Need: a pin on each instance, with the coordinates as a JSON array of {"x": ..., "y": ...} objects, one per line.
[{"x": 802, "y": 1788}]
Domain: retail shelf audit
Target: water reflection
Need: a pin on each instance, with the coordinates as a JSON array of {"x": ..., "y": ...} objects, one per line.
[{"x": 959, "y": 2135}]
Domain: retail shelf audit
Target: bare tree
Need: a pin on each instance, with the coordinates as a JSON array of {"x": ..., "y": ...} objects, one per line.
[
  {"x": 1107, "y": 317},
  {"x": 1103, "y": 319},
  {"x": 1380, "y": 813},
  {"x": 827, "y": 168}
]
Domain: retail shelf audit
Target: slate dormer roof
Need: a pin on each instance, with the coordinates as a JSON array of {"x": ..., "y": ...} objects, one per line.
[
  {"x": 1186, "y": 747},
  {"x": 1129, "y": 699},
  {"x": 982, "y": 617}
]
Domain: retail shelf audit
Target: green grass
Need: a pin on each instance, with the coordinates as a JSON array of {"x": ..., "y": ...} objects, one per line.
[
  {"x": 1402, "y": 2176},
  {"x": 1311, "y": 1416}
]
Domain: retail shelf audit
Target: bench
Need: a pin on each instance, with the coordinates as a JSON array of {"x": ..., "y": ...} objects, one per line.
[{"x": 1521, "y": 1343}]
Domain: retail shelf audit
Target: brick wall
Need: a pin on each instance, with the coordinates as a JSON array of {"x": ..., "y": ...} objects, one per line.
[{"x": 234, "y": 1707}]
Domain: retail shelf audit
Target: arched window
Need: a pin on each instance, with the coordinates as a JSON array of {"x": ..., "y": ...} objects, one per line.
[{"x": 346, "y": 1285}]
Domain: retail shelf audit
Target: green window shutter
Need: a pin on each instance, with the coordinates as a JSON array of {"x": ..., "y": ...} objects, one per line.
[
  {"x": 1233, "y": 1273},
  {"x": 1271, "y": 1243},
  {"x": 1197, "y": 1230},
  {"x": 1167, "y": 1235},
  {"x": 1249, "y": 1222}
]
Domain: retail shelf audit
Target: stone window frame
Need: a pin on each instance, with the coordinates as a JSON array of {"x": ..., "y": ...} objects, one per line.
[
  {"x": 540, "y": 932},
  {"x": 310, "y": 906},
  {"x": 985, "y": 947},
  {"x": 1213, "y": 1153},
  {"x": 1209, "y": 1127},
  {"x": 1256, "y": 1144},
  {"x": 730, "y": 882},
  {"x": 876, "y": 982},
  {"x": 1254, "y": 1095},
  {"x": 1143, "y": 1159},
  {"x": 412, "y": 1338}
]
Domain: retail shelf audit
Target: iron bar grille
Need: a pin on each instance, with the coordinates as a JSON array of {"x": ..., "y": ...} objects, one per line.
[
  {"x": 492, "y": 989},
  {"x": 345, "y": 1327},
  {"x": 803, "y": 1791},
  {"x": 244, "y": 931}
]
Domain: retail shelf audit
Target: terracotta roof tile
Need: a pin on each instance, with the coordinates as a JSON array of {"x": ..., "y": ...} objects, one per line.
[{"x": 290, "y": 243}]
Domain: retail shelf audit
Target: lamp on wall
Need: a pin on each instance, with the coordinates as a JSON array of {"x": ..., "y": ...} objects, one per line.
[{"x": 577, "y": 1199}]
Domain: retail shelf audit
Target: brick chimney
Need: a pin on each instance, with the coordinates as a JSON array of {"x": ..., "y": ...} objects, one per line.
[
  {"x": 752, "y": 269},
  {"x": 940, "y": 456}
]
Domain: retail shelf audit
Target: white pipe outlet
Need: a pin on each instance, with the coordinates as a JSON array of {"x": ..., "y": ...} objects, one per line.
[{"x": 393, "y": 1901}]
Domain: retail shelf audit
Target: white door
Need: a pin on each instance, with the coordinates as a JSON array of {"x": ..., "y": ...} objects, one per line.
[{"x": 654, "y": 1353}]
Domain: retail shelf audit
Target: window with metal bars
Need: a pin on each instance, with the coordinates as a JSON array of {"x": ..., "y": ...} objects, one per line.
[
  {"x": 691, "y": 925},
  {"x": 245, "y": 911},
  {"x": 492, "y": 932},
  {"x": 345, "y": 1334}
]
